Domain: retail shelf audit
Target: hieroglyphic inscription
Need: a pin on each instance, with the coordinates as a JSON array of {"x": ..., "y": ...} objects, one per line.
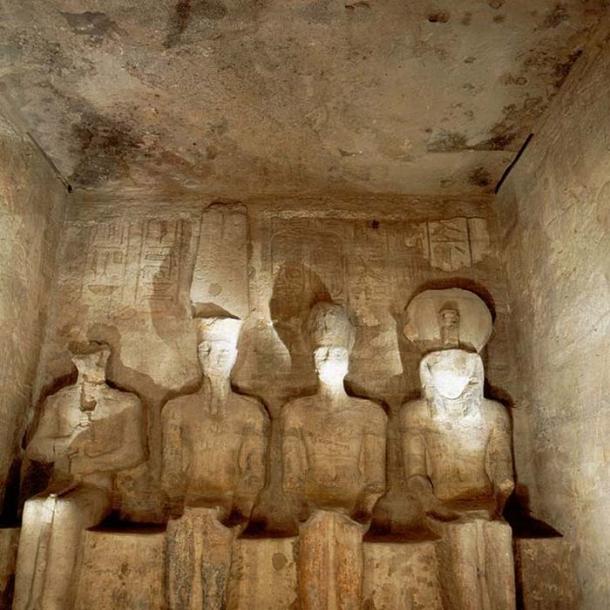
[
  {"x": 100, "y": 254},
  {"x": 158, "y": 281},
  {"x": 453, "y": 243},
  {"x": 120, "y": 264}
]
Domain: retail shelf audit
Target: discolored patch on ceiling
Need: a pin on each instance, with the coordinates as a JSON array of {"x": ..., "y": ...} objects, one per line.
[{"x": 249, "y": 96}]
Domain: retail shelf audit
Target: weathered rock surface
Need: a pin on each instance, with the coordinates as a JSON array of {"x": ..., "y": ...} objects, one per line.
[{"x": 554, "y": 214}]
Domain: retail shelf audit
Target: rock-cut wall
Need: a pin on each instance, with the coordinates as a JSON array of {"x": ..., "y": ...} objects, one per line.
[
  {"x": 131, "y": 269},
  {"x": 31, "y": 208},
  {"x": 554, "y": 209}
]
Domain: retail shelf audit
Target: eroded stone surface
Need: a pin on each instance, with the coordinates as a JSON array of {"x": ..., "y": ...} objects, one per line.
[
  {"x": 32, "y": 201},
  {"x": 276, "y": 96},
  {"x": 554, "y": 208},
  {"x": 546, "y": 577},
  {"x": 214, "y": 463}
]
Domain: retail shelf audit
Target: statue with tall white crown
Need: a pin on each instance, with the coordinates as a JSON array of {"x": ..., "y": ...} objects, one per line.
[
  {"x": 333, "y": 448},
  {"x": 89, "y": 431},
  {"x": 214, "y": 460},
  {"x": 456, "y": 447}
]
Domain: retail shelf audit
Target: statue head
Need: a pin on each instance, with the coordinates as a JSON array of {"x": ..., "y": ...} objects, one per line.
[
  {"x": 452, "y": 374},
  {"x": 217, "y": 344},
  {"x": 91, "y": 360},
  {"x": 449, "y": 322},
  {"x": 332, "y": 337}
]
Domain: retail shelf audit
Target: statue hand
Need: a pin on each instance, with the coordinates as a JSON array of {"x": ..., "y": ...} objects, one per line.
[
  {"x": 436, "y": 509},
  {"x": 502, "y": 492}
]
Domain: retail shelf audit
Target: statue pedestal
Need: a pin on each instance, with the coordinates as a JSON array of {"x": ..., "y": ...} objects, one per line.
[
  {"x": 545, "y": 573},
  {"x": 401, "y": 575},
  {"x": 476, "y": 565},
  {"x": 9, "y": 541},
  {"x": 330, "y": 562},
  {"x": 121, "y": 569},
  {"x": 126, "y": 569},
  {"x": 263, "y": 574}
]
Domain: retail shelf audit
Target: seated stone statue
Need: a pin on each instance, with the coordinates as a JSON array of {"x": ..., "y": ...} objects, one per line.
[
  {"x": 457, "y": 448},
  {"x": 333, "y": 448},
  {"x": 214, "y": 452},
  {"x": 89, "y": 432}
]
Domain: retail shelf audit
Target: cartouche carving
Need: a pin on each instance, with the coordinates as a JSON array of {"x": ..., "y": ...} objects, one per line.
[
  {"x": 214, "y": 450},
  {"x": 89, "y": 432},
  {"x": 334, "y": 463}
]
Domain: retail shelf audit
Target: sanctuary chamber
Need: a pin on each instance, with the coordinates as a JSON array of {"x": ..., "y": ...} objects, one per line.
[{"x": 325, "y": 364}]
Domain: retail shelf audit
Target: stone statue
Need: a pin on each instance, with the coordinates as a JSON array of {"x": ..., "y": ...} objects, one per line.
[
  {"x": 333, "y": 448},
  {"x": 214, "y": 452},
  {"x": 457, "y": 444},
  {"x": 89, "y": 432}
]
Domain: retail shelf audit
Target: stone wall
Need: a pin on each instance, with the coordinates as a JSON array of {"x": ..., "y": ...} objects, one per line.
[
  {"x": 31, "y": 207},
  {"x": 129, "y": 267},
  {"x": 554, "y": 210}
]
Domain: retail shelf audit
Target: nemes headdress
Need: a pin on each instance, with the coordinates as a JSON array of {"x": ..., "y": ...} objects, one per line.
[
  {"x": 218, "y": 329},
  {"x": 448, "y": 319},
  {"x": 328, "y": 325}
]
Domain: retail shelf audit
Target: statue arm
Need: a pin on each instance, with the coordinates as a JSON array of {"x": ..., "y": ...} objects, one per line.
[
  {"x": 373, "y": 466},
  {"x": 172, "y": 476},
  {"x": 120, "y": 444},
  {"x": 46, "y": 444},
  {"x": 252, "y": 464},
  {"x": 294, "y": 457},
  {"x": 499, "y": 460}
]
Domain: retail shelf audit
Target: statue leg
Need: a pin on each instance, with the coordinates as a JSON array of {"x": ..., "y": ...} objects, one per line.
[
  {"x": 199, "y": 550},
  {"x": 47, "y": 563},
  {"x": 330, "y": 562},
  {"x": 476, "y": 566}
]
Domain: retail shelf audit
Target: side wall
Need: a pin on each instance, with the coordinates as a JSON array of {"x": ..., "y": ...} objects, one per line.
[
  {"x": 555, "y": 208},
  {"x": 31, "y": 209}
]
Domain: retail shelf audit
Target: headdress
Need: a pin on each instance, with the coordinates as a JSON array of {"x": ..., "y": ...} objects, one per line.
[
  {"x": 218, "y": 329},
  {"x": 328, "y": 325},
  {"x": 448, "y": 319}
]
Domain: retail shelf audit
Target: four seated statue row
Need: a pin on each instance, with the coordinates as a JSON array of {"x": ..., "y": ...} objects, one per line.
[{"x": 456, "y": 453}]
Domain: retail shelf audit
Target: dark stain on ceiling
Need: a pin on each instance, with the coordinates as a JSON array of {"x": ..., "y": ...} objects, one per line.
[{"x": 250, "y": 96}]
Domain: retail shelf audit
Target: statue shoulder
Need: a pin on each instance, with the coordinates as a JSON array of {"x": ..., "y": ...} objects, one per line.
[
  {"x": 127, "y": 400},
  {"x": 374, "y": 412},
  {"x": 250, "y": 406},
  {"x": 497, "y": 412},
  {"x": 173, "y": 408},
  {"x": 414, "y": 412},
  {"x": 294, "y": 410},
  {"x": 56, "y": 400}
]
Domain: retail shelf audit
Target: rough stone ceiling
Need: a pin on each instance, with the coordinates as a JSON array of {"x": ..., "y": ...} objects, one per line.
[{"x": 284, "y": 95}]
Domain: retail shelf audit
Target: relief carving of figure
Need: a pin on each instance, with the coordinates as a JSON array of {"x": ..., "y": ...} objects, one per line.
[
  {"x": 214, "y": 461},
  {"x": 457, "y": 444},
  {"x": 89, "y": 432},
  {"x": 333, "y": 451}
]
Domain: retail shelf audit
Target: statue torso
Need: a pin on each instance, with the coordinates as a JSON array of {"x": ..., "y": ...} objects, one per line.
[{"x": 333, "y": 448}]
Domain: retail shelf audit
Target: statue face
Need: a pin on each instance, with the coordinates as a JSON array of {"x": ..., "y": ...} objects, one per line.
[
  {"x": 92, "y": 367},
  {"x": 451, "y": 371},
  {"x": 217, "y": 357},
  {"x": 331, "y": 363}
]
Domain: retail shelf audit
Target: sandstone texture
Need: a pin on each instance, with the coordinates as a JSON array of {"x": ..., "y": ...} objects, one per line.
[
  {"x": 304, "y": 306},
  {"x": 554, "y": 213},
  {"x": 31, "y": 208},
  {"x": 237, "y": 97}
]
